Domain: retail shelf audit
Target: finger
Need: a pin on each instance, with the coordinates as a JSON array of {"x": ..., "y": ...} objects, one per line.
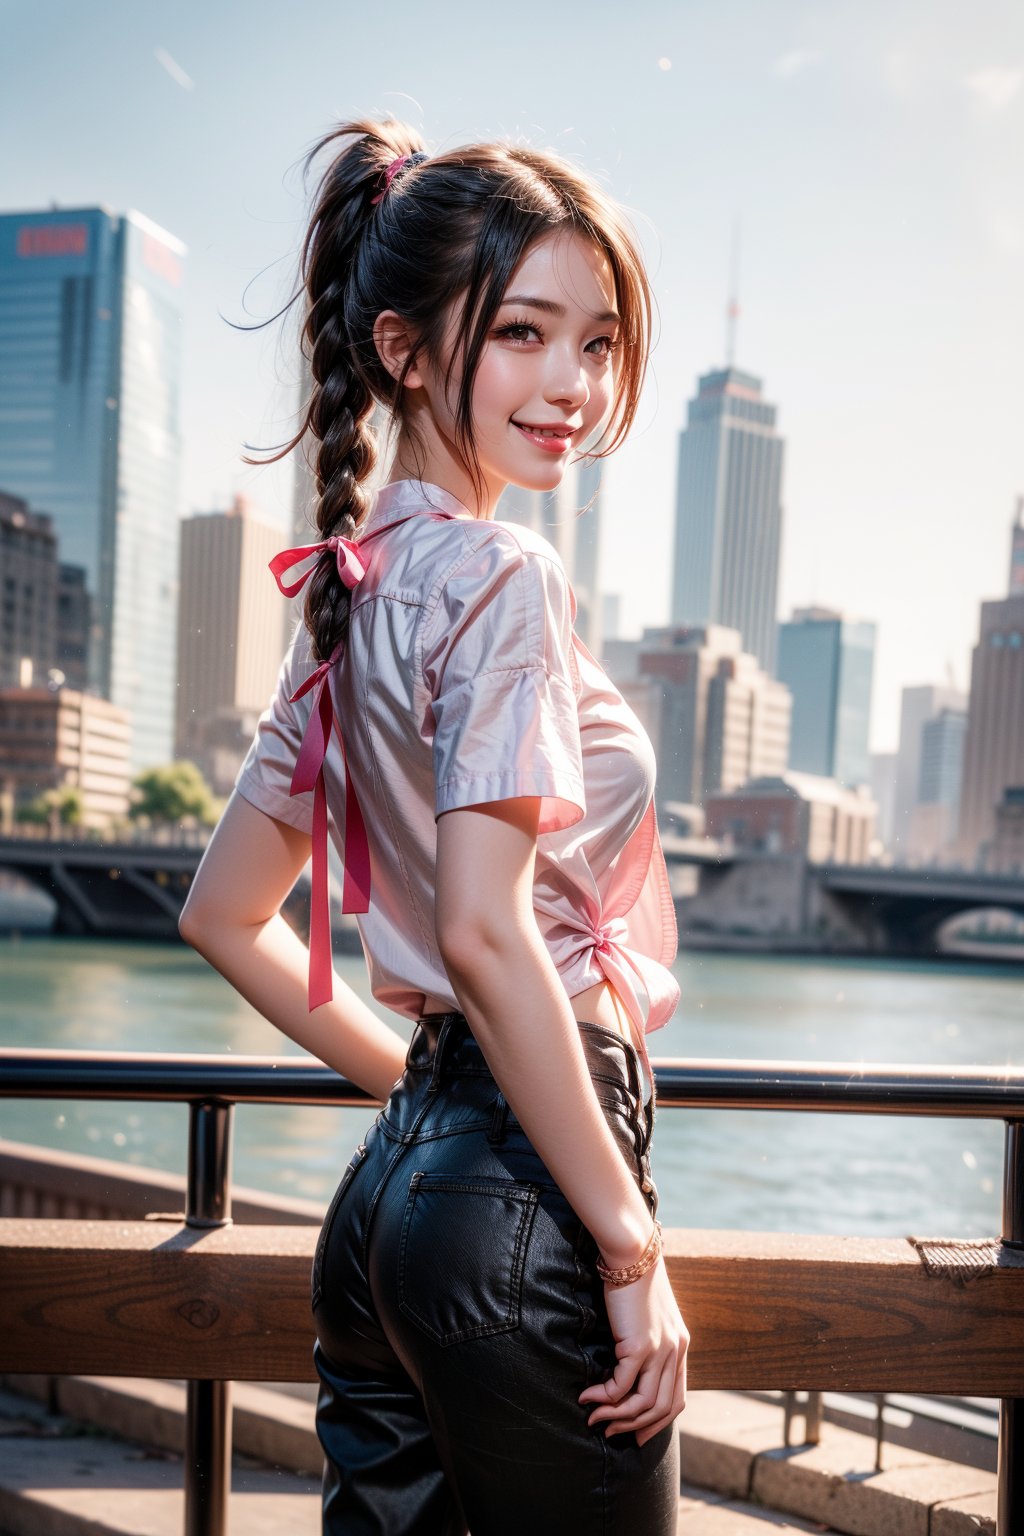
[
  {"x": 662, "y": 1405},
  {"x": 635, "y": 1409},
  {"x": 598, "y": 1393},
  {"x": 657, "y": 1415},
  {"x": 641, "y": 1398},
  {"x": 622, "y": 1379},
  {"x": 614, "y": 1388},
  {"x": 678, "y": 1404},
  {"x": 623, "y": 1412}
]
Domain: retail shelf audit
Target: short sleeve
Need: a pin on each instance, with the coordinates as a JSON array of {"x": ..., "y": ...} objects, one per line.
[
  {"x": 264, "y": 778},
  {"x": 500, "y": 669}
]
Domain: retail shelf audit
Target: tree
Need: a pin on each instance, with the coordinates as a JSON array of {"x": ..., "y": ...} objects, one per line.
[
  {"x": 61, "y": 807},
  {"x": 172, "y": 792},
  {"x": 69, "y": 803},
  {"x": 33, "y": 813}
]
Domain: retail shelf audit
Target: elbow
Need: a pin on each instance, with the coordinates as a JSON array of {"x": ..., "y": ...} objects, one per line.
[
  {"x": 452, "y": 946},
  {"x": 188, "y": 925},
  {"x": 474, "y": 945},
  {"x": 193, "y": 925}
]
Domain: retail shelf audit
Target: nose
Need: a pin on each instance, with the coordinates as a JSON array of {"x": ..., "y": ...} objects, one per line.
[{"x": 566, "y": 382}]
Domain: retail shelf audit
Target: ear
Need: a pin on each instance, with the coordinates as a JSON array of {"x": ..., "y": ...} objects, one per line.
[{"x": 394, "y": 341}]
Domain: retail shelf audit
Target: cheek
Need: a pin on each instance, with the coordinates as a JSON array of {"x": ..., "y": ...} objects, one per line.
[
  {"x": 602, "y": 392},
  {"x": 498, "y": 384}
]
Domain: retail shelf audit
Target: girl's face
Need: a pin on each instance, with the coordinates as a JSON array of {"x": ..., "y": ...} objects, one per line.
[{"x": 546, "y": 376}]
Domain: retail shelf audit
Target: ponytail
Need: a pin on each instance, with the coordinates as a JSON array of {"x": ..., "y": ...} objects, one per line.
[{"x": 341, "y": 401}]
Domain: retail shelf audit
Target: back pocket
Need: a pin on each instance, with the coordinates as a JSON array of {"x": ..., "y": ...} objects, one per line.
[{"x": 461, "y": 1254}]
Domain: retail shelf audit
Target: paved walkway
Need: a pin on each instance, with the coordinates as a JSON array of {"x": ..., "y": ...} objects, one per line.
[
  {"x": 60, "y": 1479},
  {"x": 77, "y": 1473}
]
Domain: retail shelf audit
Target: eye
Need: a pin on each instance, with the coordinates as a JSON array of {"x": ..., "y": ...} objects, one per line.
[
  {"x": 511, "y": 332},
  {"x": 611, "y": 344}
]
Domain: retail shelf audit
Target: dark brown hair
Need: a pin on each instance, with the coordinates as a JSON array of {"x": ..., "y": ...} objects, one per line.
[{"x": 452, "y": 225}]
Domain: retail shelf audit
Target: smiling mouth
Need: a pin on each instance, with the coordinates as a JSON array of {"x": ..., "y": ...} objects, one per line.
[{"x": 544, "y": 431}]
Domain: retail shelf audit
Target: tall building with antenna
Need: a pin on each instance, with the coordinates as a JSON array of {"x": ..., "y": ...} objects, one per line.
[
  {"x": 1017, "y": 549},
  {"x": 728, "y": 527}
]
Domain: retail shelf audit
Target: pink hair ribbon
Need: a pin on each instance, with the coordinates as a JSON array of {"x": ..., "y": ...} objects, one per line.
[
  {"x": 351, "y": 567},
  {"x": 308, "y": 773},
  {"x": 389, "y": 174}
]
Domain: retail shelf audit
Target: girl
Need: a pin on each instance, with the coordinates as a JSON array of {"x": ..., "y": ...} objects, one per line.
[{"x": 498, "y": 1344}]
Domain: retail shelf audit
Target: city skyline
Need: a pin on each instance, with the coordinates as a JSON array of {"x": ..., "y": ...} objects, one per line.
[{"x": 881, "y": 236}]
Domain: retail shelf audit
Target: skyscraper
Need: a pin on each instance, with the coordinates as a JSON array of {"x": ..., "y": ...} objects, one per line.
[
  {"x": 90, "y": 305},
  {"x": 232, "y": 626},
  {"x": 918, "y": 705},
  {"x": 715, "y": 717},
  {"x": 934, "y": 816},
  {"x": 28, "y": 595},
  {"x": 994, "y": 745},
  {"x": 827, "y": 663},
  {"x": 883, "y": 792},
  {"x": 729, "y": 512},
  {"x": 1017, "y": 549}
]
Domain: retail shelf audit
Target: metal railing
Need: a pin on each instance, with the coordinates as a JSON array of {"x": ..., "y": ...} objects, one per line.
[{"x": 213, "y": 1085}]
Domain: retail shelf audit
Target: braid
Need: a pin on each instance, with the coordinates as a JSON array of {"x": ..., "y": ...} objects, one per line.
[{"x": 338, "y": 416}]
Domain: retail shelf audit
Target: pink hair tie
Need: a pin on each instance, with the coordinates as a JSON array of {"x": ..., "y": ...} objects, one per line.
[
  {"x": 389, "y": 175},
  {"x": 348, "y": 557}
]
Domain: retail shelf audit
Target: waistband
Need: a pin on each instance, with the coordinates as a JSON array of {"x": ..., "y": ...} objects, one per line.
[
  {"x": 446, "y": 1062},
  {"x": 445, "y": 1043}
]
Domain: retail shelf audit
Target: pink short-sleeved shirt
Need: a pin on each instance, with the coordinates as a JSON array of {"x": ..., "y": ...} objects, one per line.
[{"x": 462, "y": 681}]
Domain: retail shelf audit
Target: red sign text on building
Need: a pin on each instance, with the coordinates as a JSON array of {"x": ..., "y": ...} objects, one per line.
[{"x": 53, "y": 240}]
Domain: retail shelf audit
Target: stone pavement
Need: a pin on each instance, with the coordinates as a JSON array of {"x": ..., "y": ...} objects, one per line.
[
  {"x": 59, "y": 1478},
  {"x": 77, "y": 1473}
]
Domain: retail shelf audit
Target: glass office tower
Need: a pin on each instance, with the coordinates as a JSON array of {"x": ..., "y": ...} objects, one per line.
[
  {"x": 90, "y": 367},
  {"x": 827, "y": 663}
]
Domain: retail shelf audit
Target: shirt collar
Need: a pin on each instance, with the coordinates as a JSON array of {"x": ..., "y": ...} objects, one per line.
[{"x": 400, "y": 498}]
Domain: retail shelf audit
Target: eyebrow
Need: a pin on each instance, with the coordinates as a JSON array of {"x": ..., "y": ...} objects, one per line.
[{"x": 555, "y": 309}]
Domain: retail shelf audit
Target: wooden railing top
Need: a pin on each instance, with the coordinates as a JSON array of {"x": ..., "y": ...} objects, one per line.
[{"x": 156, "y": 1298}]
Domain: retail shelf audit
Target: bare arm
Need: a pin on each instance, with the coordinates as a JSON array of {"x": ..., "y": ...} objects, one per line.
[
  {"x": 510, "y": 992},
  {"x": 517, "y": 1008},
  {"x": 232, "y": 917}
]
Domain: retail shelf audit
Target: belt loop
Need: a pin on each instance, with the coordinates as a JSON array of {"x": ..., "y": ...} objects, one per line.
[
  {"x": 440, "y": 1051},
  {"x": 499, "y": 1120}
]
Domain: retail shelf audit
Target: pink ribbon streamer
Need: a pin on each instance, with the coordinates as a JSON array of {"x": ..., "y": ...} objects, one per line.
[{"x": 308, "y": 773}]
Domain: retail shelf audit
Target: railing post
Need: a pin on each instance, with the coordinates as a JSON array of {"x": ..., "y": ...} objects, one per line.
[
  {"x": 208, "y": 1404},
  {"x": 1010, "y": 1514}
]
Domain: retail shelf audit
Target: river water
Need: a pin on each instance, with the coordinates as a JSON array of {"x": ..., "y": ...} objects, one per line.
[{"x": 759, "y": 1170}]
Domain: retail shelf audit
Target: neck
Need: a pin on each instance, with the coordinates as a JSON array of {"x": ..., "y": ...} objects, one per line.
[{"x": 436, "y": 462}]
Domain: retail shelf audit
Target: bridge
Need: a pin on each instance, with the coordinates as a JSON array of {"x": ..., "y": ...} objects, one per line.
[
  {"x": 909, "y": 906},
  {"x": 781, "y": 901},
  {"x": 135, "y": 888},
  {"x": 123, "y": 889}
]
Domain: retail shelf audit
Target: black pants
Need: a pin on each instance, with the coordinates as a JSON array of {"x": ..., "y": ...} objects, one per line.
[{"x": 459, "y": 1316}]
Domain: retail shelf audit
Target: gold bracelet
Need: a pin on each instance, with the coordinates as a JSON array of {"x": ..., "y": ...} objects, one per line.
[{"x": 631, "y": 1272}]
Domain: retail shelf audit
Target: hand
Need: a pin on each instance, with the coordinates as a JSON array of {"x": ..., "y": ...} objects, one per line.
[{"x": 648, "y": 1386}]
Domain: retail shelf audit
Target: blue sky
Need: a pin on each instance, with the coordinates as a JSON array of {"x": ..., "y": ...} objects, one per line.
[{"x": 872, "y": 153}]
